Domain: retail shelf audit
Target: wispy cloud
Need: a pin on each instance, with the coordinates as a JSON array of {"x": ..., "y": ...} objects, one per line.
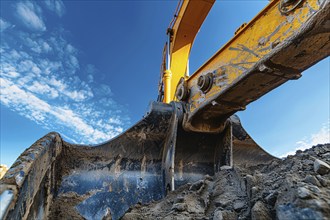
[
  {"x": 91, "y": 71},
  {"x": 42, "y": 79},
  {"x": 44, "y": 89},
  {"x": 30, "y": 15},
  {"x": 321, "y": 137},
  {"x": 56, "y": 6},
  {"x": 39, "y": 46},
  {"x": 4, "y": 25},
  {"x": 43, "y": 100},
  {"x": 38, "y": 110}
]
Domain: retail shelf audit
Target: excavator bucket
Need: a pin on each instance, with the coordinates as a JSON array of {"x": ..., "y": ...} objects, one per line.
[{"x": 59, "y": 180}]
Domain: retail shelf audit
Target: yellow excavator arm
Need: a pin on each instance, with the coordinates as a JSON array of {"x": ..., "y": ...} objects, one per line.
[
  {"x": 181, "y": 35},
  {"x": 181, "y": 142},
  {"x": 284, "y": 39}
]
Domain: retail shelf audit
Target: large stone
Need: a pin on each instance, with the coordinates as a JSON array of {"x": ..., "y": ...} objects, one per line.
[
  {"x": 224, "y": 215},
  {"x": 288, "y": 211},
  {"x": 321, "y": 167},
  {"x": 316, "y": 190},
  {"x": 228, "y": 214},
  {"x": 317, "y": 204},
  {"x": 179, "y": 199},
  {"x": 254, "y": 191},
  {"x": 303, "y": 193},
  {"x": 180, "y": 207},
  {"x": 223, "y": 202},
  {"x": 238, "y": 205},
  {"x": 132, "y": 216},
  {"x": 323, "y": 181},
  {"x": 260, "y": 212},
  {"x": 312, "y": 180},
  {"x": 217, "y": 215},
  {"x": 271, "y": 198}
]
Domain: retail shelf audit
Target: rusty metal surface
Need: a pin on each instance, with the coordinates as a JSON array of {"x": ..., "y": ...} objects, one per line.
[{"x": 270, "y": 50}]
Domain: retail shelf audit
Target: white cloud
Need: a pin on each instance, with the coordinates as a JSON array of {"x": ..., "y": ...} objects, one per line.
[
  {"x": 75, "y": 95},
  {"x": 12, "y": 94},
  {"x": 26, "y": 65},
  {"x": 49, "y": 67},
  {"x": 90, "y": 70},
  {"x": 321, "y": 137},
  {"x": 14, "y": 55},
  {"x": 38, "y": 110},
  {"x": 28, "y": 90},
  {"x": 70, "y": 49},
  {"x": 11, "y": 74},
  {"x": 90, "y": 78},
  {"x": 30, "y": 15},
  {"x": 25, "y": 79},
  {"x": 58, "y": 84},
  {"x": 56, "y": 6},
  {"x": 41, "y": 88},
  {"x": 114, "y": 121},
  {"x": 74, "y": 62},
  {"x": 103, "y": 90},
  {"x": 4, "y": 25},
  {"x": 40, "y": 80},
  {"x": 45, "y": 46},
  {"x": 39, "y": 71},
  {"x": 65, "y": 51},
  {"x": 31, "y": 43},
  {"x": 78, "y": 95}
]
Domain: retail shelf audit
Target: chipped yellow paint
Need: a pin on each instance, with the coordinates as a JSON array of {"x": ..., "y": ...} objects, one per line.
[{"x": 253, "y": 42}]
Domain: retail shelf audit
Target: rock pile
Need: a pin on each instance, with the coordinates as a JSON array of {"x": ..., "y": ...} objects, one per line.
[{"x": 297, "y": 187}]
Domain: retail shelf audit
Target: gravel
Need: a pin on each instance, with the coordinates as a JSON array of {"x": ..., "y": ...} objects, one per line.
[{"x": 296, "y": 187}]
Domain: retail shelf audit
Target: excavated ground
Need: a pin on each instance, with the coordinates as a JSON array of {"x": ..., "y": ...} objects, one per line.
[{"x": 297, "y": 187}]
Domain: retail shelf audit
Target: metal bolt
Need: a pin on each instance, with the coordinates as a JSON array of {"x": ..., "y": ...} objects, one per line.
[
  {"x": 182, "y": 90},
  {"x": 182, "y": 93},
  {"x": 205, "y": 82}
]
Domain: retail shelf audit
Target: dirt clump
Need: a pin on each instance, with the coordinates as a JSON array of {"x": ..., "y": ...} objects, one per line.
[{"x": 297, "y": 187}]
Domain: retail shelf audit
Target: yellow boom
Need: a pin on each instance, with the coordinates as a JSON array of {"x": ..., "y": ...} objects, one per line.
[
  {"x": 284, "y": 39},
  {"x": 181, "y": 37}
]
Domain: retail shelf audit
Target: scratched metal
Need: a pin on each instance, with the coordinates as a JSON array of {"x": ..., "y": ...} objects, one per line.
[
  {"x": 111, "y": 177},
  {"x": 117, "y": 192},
  {"x": 270, "y": 50},
  {"x": 56, "y": 180},
  {"x": 29, "y": 178}
]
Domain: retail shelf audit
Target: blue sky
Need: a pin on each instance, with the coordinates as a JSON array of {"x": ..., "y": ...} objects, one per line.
[{"x": 88, "y": 69}]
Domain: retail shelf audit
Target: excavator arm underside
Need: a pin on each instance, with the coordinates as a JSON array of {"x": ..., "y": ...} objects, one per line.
[{"x": 272, "y": 49}]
